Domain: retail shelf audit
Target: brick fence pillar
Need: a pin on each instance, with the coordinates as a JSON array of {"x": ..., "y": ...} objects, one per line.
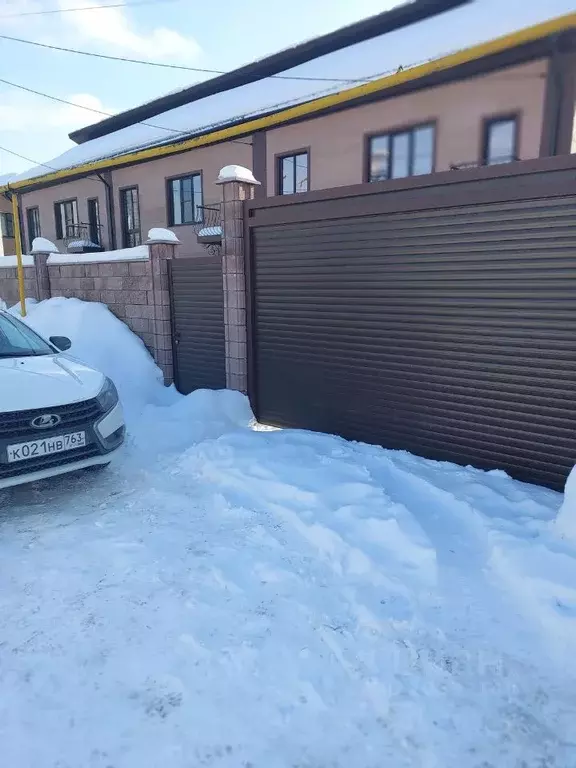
[
  {"x": 41, "y": 249},
  {"x": 162, "y": 245},
  {"x": 238, "y": 184}
]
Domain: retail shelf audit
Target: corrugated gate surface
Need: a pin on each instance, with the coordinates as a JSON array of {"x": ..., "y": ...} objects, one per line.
[
  {"x": 444, "y": 325},
  {"x": 198, "y": 323}
]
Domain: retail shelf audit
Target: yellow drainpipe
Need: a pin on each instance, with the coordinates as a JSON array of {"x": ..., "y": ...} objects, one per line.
[{"x": 18, "y": 244}]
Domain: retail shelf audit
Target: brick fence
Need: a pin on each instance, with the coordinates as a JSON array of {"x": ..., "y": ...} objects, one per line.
[
  {"x": 134, "y": 287},
  {"x": 9, "y": 282},
  {"x": 122, "y": 285},
  {"x": 134, "y": 282}
]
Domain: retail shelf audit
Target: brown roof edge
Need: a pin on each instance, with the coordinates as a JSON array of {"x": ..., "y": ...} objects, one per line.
[{"x": 401, "y": 16}]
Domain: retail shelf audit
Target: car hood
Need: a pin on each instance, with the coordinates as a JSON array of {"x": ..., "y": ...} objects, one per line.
[{"x": 46, "y": 381}]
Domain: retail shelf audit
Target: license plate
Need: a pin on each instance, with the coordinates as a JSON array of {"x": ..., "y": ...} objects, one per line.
[{"x": 46, "y": 446}]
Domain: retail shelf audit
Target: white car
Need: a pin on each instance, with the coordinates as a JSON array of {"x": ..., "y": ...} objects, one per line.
[{"x": 57, "y": 415}]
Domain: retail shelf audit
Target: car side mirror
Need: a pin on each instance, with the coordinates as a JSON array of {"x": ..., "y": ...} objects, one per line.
[{"x": 61, "y": 342}]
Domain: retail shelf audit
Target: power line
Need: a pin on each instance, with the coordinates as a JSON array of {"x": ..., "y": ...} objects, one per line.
[
  {"x": 88, "y": 8},
  {"x": 23, "y": 157},
  {"x": 80, "y": 106},
  {"x": 175, "y": 131},
  {"x": 37, "y": 163},
  {"x": 163, "y": 65}
]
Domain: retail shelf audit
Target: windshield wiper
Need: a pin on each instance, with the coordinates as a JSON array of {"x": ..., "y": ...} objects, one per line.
[{"x": 22, "y": 353}]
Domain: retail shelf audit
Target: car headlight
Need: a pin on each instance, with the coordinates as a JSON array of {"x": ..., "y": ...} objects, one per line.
[{"x": 108, "y": 396}]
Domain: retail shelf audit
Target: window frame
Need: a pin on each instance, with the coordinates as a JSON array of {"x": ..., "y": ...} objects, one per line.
[
  {"x": 96, "y": 200},
  {"x": 170, "y": 198},
  {"x": 7, "y": 216},
  {"x": 279, "y": 158},
  {"x": 36, "y": 209},
  {"x": 58, "y": 219},
  {"x": 123, "y": 219},
  {"x": 487, "y": 124},
  {"x": 395, "y": 131}
]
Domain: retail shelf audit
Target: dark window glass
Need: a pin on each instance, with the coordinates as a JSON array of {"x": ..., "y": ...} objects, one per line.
[
  {"x": 33, "y": 224},
  {"x": 66, "y": 216},
  {"x": 500, "y": 141},
  {"x": 94, "y": 221},
  {"x": 7, "y": 224},
  {"x": 401, "y": 153},
  {"x": 130, "y": 209},
  {"x": 293, "y": 174},
  {"x": 185, "y": 200}
]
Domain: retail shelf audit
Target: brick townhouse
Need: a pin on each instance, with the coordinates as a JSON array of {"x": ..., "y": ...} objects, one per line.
[{"x": 496, "y": 101}]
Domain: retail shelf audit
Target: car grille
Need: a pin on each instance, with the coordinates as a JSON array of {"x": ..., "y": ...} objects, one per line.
[
  {"x": 48, "y": 462},
  {"x": 17, "y": 423}
]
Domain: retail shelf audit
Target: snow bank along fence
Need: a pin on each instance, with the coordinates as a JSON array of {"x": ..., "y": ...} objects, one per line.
[{"x": 132, "y": 282}]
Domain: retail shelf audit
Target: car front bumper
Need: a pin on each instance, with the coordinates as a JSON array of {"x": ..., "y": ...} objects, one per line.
[{"x": 104, "y": 436}]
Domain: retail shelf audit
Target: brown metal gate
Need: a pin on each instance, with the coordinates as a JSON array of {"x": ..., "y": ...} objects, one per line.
[
  {"x": 198, "y": 323},
  {"x": 436, "y": 318}
]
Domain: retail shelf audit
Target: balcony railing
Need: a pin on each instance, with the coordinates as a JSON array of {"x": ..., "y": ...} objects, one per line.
[
  {"x": 209, "y": 229},
  {"x": 79, "y": 238}
]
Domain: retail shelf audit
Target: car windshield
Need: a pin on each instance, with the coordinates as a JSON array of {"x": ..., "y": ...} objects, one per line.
[{"x": 18, "y": 340}]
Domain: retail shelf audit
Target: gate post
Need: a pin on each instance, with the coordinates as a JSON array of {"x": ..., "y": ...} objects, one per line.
[
  {"x": 238, "y": 184},
  {"x": 41, "y": 250},
  {"x": 162, "y": 245}
]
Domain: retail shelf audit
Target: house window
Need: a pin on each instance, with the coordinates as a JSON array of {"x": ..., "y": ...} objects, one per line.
[
  {"x": 500, "y": 140},
  {"x": 66, "y": 217},
  {"x": 185, "y": 200},
  {"x": 7, "y": 224},
  {"x": 398, "y": 154},
  {"x": 33, "y": 224},
  {"x": 93, "y": 221},
  {"x": 130, "y": 212},
  {"x": 293, "y": 173}
]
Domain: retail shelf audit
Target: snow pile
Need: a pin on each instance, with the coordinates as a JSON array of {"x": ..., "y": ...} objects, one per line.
[
  {"x": 202, "y": 415},
  {"x": 280, "y": 599},
  {"x": 565, "y": 524},
  {"x": 236, "y": 173},
  {"x": 161, "y": 235},
  {"x": 42, "y": 245},
  {"x": 102, "y": 341}
]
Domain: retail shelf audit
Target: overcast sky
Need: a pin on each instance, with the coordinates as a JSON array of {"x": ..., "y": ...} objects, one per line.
[{"x": 217, "y": 35}]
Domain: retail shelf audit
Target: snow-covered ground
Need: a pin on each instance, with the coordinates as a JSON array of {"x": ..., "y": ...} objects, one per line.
[{"x": 238, "y": 597}]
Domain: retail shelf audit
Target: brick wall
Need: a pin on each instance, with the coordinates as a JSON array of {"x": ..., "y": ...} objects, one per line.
[
  {"x": 9, "y": 284},
  {"x": 136, "y": 290},
  {"x": 124, "y": 286}
]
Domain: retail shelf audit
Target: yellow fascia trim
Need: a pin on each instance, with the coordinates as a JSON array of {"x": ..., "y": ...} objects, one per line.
[{"x": 497, "y": 45}]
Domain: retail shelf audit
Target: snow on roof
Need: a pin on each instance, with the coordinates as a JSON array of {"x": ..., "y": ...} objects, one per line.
[{"x": 475, "y": 23}]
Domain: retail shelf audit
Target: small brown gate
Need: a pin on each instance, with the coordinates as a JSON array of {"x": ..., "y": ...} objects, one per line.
[
  {"x": 435, "y": 315},
  {"x": 198, "y": 323}
]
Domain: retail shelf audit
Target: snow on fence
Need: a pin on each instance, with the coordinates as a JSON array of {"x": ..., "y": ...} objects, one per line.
[{"x": 124, "y": 280}]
